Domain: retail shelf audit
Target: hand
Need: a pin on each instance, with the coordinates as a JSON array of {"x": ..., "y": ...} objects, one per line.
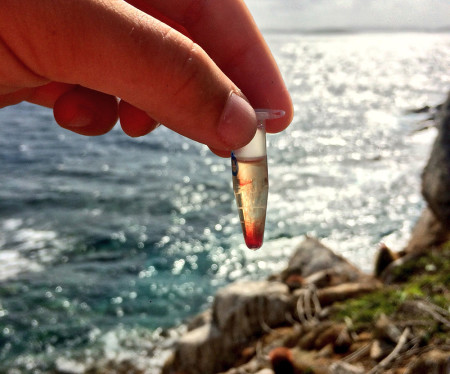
[{"x": 79, "y": 56}]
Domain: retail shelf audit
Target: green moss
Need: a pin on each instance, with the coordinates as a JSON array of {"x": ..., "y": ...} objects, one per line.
[
  {"x": 365, "y": 309},
  {"x": 425, "y": 278},
  {"x": 442, "y": 301},
  {"x": 434, "y": 262},
  {"x": 411, "y": 290}
]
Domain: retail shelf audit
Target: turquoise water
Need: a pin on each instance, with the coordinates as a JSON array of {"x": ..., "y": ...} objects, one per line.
[{"x": 106, "y": 241}]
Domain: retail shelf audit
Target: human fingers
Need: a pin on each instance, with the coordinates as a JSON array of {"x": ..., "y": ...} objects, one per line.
[
  {"x": 47, "y": 94},
  {"x": 135, "y": 122},
  {"x": 78, "y": 109},
  {"x": 111, "y": 47},
  {"x": 219, "y": 152},
  {"x": 14, "y": 97},
  {"x": 228, "y": 33},
  {"x": 85, "y": 111}
]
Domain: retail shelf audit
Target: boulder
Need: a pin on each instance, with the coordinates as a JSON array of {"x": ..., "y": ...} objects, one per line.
[
  {"x": 240, "y": 312},
  {"x": 199, "y": 351},
  {"x": 243, "y": 309},
  {"x": 436, "y": 175},
  {"x": 199, "y": 320},
  {"x": 428, "y": 232},
  {"x": 311, "y": 257}
]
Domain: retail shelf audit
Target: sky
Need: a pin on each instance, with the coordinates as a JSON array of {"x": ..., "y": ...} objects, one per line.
[{"x": 354, "y": 14}]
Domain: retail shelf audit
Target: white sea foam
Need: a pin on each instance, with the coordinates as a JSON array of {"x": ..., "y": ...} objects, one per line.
[
  {"x": 17, "y": 245},
  {"x": 143, "y": 350},
  {"x": 12, "y": 264}
]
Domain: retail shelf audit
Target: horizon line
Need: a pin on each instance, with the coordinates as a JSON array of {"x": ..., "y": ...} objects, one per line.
[{"x": 354, "y": 30}]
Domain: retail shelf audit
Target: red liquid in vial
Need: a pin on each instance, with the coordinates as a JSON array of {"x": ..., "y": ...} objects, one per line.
[{"x": 251, "y": 188}]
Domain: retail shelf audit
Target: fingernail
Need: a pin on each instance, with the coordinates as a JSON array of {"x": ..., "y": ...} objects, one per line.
[
  {"x": 83, "y": 116},
  {"x": 237, "y": 125}
]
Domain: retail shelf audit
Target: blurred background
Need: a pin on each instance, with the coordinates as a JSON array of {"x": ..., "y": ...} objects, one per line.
[
  {"x": 309, "y": 15},
  {"x": 108, "y": 242}
]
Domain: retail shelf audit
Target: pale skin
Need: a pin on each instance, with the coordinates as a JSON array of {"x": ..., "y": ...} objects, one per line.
[{"x": 145, "y": 62}]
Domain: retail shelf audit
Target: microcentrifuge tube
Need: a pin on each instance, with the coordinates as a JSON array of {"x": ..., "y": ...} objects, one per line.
[{"x": 251, "y": 181}]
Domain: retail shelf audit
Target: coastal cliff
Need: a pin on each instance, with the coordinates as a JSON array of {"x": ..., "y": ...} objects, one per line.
[{"x": 322, "y": 315}]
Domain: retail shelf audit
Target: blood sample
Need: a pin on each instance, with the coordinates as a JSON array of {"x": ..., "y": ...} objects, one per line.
[{"x": 251, "y": 182}]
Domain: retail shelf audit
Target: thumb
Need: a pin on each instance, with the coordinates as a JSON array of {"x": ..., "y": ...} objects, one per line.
[{"x": 112, "y": 47}]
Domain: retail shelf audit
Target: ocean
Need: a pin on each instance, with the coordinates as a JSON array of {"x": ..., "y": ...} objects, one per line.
[{"x": 107, "y": 243}]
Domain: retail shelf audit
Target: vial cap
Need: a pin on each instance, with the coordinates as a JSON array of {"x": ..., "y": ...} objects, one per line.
[{"x": 257, "y": 146}]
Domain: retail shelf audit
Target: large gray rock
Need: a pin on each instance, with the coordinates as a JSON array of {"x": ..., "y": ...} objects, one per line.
[
  {"x": 428, "y": 232},
  {"x": 243, "y": 309},
  {"x": 199, "y": 351},
  {"x": 312, "y": 257},
  {"x": 240, "y": 312},
  {"x": 436, "y": 175}
]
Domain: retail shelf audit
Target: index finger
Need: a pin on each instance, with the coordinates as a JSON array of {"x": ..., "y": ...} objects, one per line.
[{"x": 228, "y": 33}]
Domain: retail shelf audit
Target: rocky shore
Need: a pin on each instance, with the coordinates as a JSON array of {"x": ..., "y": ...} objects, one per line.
[{"x": 323, "y": 315}]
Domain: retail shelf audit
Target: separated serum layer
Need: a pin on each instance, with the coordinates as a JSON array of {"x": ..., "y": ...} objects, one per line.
[{"x": 251, "y": 182}]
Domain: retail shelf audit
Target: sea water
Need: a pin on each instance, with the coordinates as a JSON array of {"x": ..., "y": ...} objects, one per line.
[{"x": 106, "y": 242}]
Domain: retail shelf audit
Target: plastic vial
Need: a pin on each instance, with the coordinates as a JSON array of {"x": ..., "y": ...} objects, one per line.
[{"x": 251, "y": 181}]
